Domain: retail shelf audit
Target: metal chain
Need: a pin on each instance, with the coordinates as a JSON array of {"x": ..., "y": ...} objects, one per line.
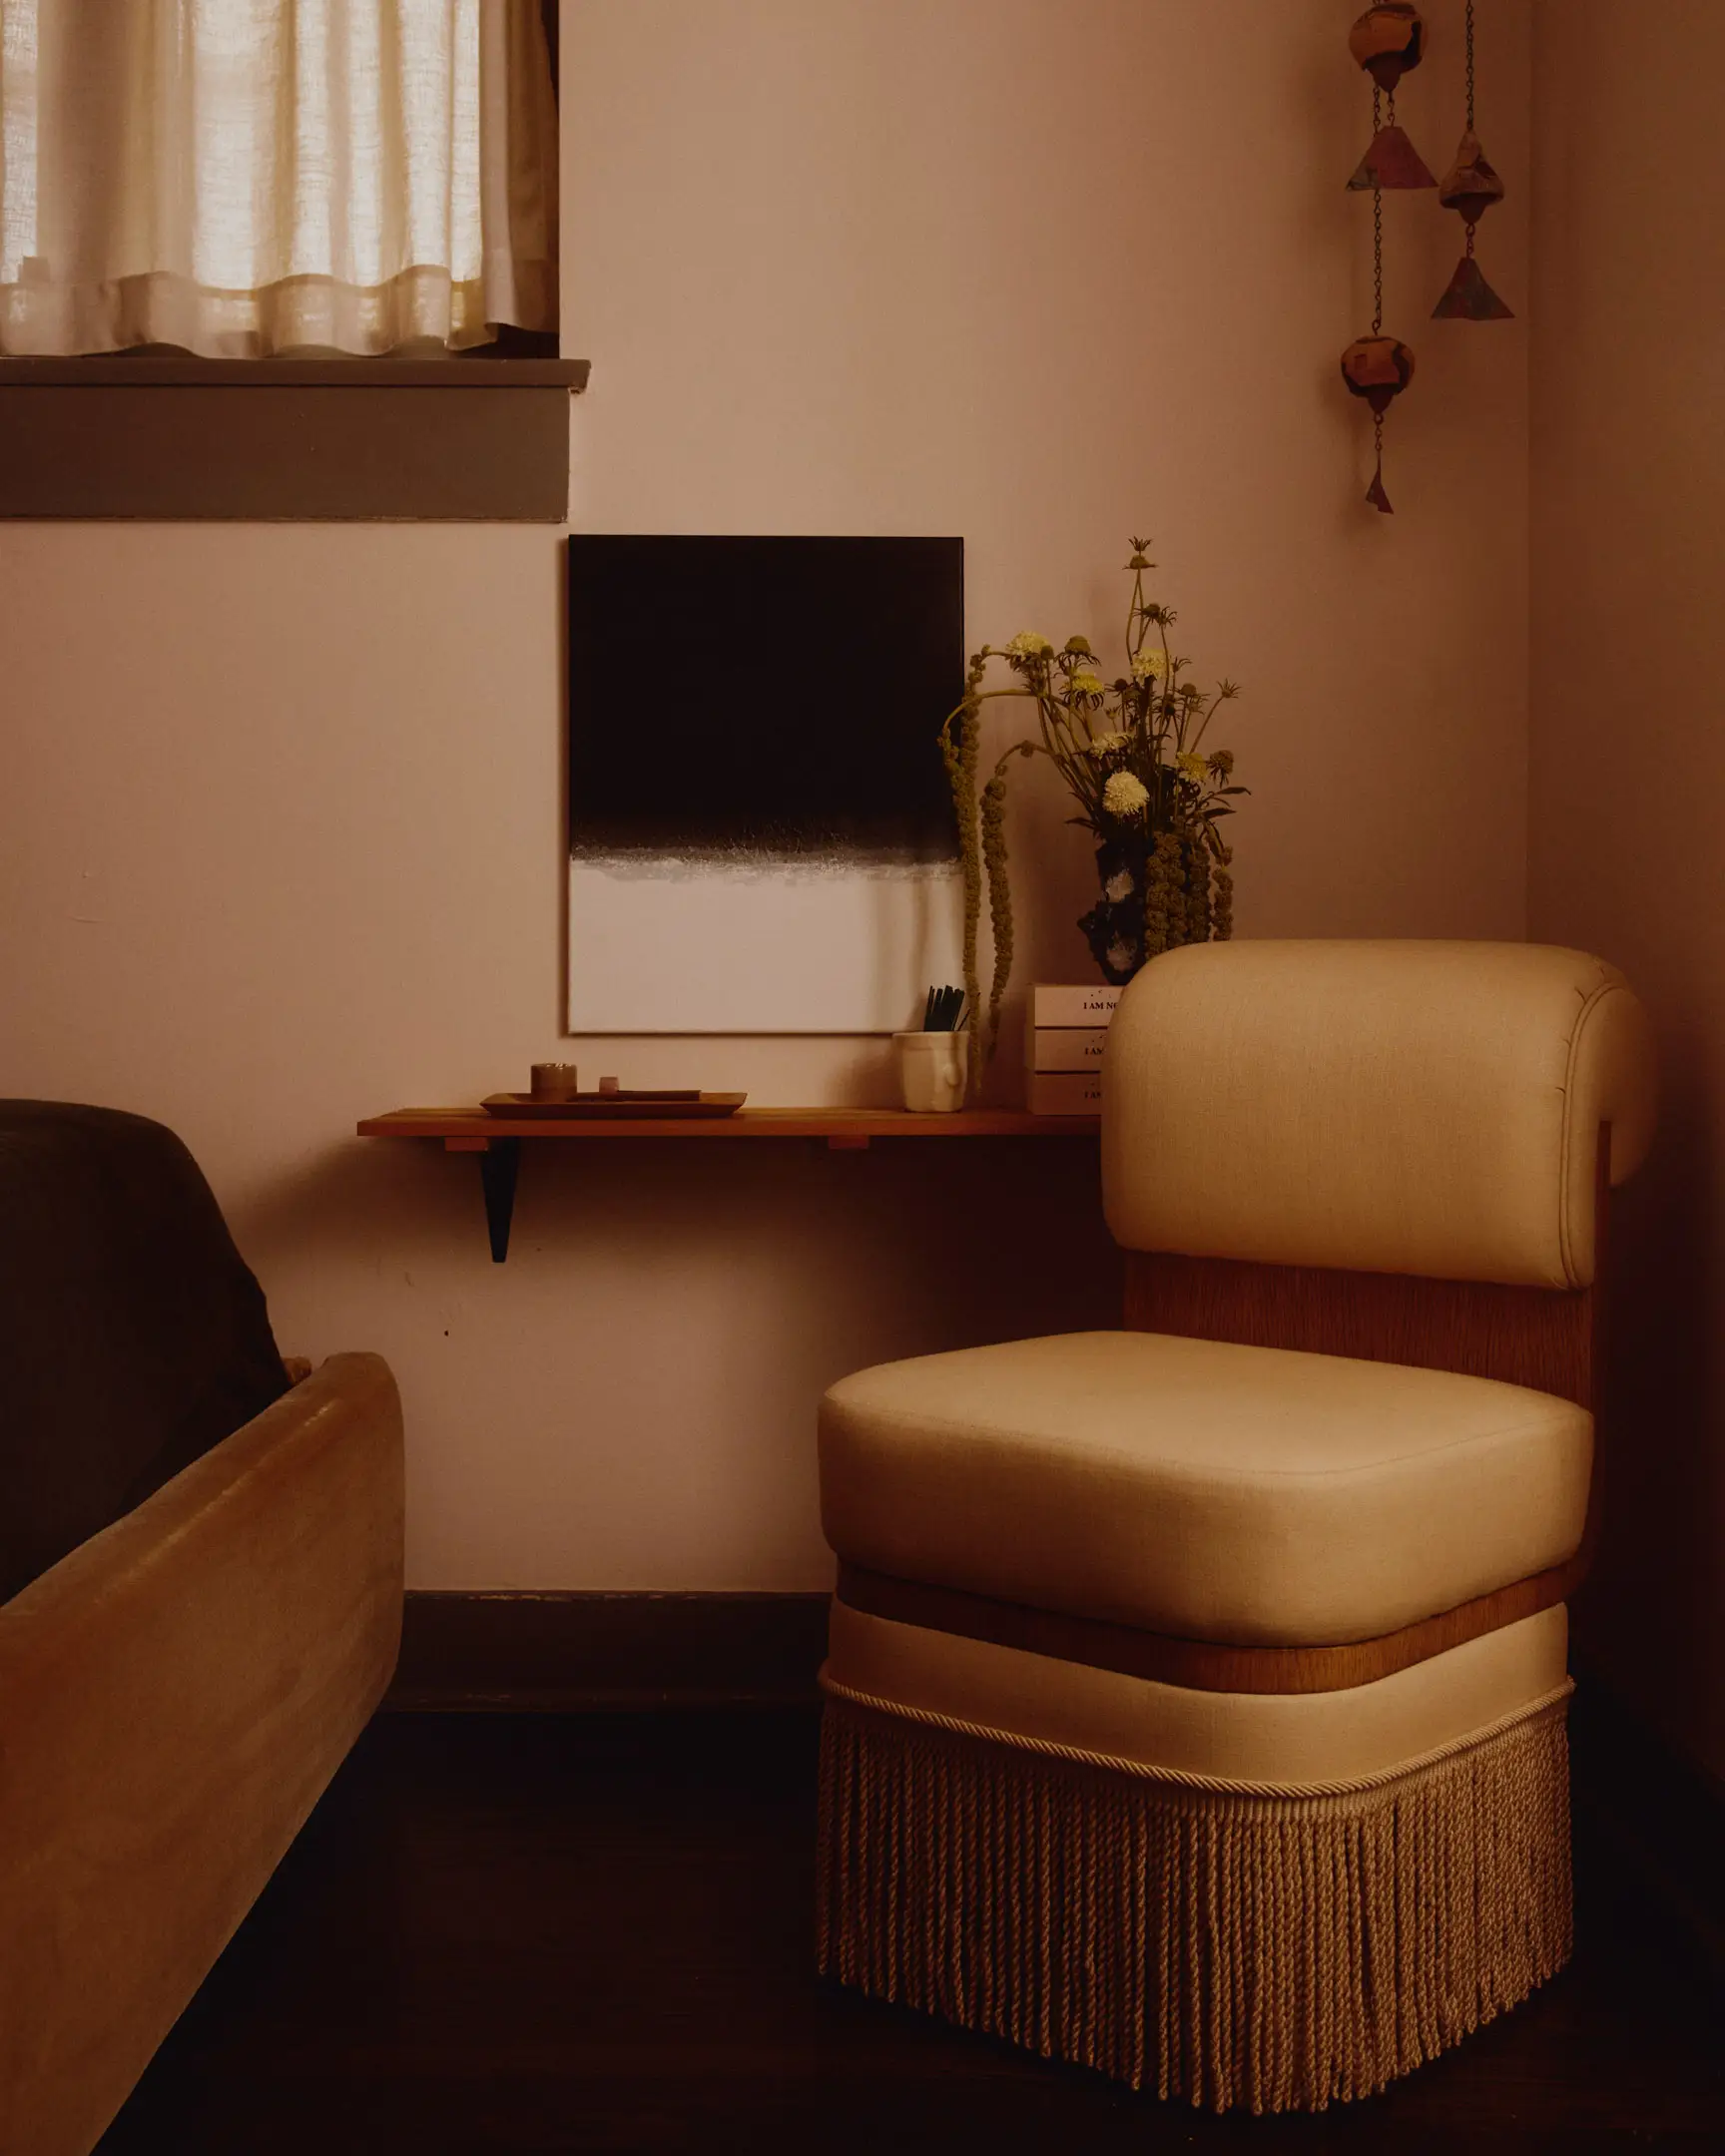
[
  {"x": 1378, "y": 224},
  {"x": 1469, "y": 67},
  {"x": 1376, "y": 260}
]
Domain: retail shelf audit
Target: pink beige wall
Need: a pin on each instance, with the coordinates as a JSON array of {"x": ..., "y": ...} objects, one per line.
[
  {"x": 1628, "y": 754},
  {"x": 278, "y": 832}
]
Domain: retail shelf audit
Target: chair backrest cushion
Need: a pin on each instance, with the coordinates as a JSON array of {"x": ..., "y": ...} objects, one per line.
[
  {"x": 1391, "y": 1107},
  {"x": 133, "y": 1337}
]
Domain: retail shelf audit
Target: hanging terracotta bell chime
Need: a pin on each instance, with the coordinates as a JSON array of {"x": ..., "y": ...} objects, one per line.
[
  {"x": 1387, "y": 41},
  {"x": 1469, "y": 188},
  {"x": 1377, "y": 368}
]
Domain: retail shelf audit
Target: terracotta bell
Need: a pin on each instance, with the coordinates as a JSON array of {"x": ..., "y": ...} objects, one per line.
[
  {"x": 1388, "y": 40},
  {"x": 1377, "y": 368},
  {"x": 1390, "y": 161},
  {"x": 1471, "y": 185},
  {"x": 1468, "y": 297}
]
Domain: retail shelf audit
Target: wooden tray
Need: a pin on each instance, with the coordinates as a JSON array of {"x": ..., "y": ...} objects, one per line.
[{"x": 629, "y": 1107}]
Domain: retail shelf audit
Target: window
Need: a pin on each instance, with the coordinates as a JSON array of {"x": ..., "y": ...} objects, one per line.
[{"x": 279, "y": 181}]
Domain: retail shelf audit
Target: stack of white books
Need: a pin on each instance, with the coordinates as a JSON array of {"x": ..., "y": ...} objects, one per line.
[{"x": 1064, "y": 1034}]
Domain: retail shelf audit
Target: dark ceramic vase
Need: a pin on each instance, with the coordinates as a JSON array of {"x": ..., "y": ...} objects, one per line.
[{"x": 1114, "y": 926}]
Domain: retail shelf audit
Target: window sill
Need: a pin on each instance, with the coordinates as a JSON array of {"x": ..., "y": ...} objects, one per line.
[
  {"x": 112, "y": 371},
  {"x": 172, "y": 438}
]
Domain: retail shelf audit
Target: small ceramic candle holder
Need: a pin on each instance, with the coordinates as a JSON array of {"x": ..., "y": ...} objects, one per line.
[
  {"x": 554, "y": 1081},
  {"x": 932, "y": 1071}
]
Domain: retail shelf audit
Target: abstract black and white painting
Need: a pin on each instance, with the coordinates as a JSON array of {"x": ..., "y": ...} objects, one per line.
[{"x": 761, "y": 834}]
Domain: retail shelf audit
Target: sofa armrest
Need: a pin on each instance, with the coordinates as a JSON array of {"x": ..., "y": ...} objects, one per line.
[{"x": 175, "y": 1696}]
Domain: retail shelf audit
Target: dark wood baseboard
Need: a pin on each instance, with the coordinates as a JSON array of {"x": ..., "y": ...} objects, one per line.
[
  {"x": 1652, "y": 1813},
  {"x": 571, "y": 1653}
]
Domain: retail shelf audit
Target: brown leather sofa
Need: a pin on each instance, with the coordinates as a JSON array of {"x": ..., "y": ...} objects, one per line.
[{"x": 177, "y": 1686}]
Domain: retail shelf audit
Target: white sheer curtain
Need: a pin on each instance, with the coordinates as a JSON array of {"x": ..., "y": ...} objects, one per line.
[{"x": 246, "y": 176}]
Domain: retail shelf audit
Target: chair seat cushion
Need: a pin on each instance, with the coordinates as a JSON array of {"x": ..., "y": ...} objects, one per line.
[{"x": 1249, "y": 1495}]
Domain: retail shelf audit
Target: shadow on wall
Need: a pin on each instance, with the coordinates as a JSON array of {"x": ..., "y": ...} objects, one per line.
[
  {"x": 630, "y": 1400},
  {"x": 984, "y": 1239},
  {"x": 1645, "y": 1619}
]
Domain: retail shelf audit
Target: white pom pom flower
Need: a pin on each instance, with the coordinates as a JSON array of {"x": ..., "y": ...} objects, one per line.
[{"x": 1125, "y": 794}]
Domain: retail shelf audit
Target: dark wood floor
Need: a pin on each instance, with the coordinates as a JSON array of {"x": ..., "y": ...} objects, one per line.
[{"x": 593, "y": 1933}]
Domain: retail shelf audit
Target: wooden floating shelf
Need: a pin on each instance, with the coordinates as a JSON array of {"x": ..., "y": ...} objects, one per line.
[
  {"x": 497, "y": 1140},
  {"x": 463, "y": 1128}
]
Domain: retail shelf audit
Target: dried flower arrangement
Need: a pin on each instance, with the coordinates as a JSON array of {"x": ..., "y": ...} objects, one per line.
[{"x": 1130, "y": 753}]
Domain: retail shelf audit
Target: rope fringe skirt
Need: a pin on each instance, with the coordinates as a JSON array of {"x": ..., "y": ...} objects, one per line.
[{"x": 1274, "y": 1951}]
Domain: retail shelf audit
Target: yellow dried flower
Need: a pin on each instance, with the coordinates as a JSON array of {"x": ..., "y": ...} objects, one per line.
[
  {"x": 1102, "y": 744},
  {"x": 1028, "y": 645},
  {"x": 1191, "y": 766},
  {"x": 1150, "y": 664},
  {"x": 1086, "y": 682}
]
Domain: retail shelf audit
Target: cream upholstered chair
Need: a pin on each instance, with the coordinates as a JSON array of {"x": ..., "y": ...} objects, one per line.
[{"x": 1195, "y": 1702}]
